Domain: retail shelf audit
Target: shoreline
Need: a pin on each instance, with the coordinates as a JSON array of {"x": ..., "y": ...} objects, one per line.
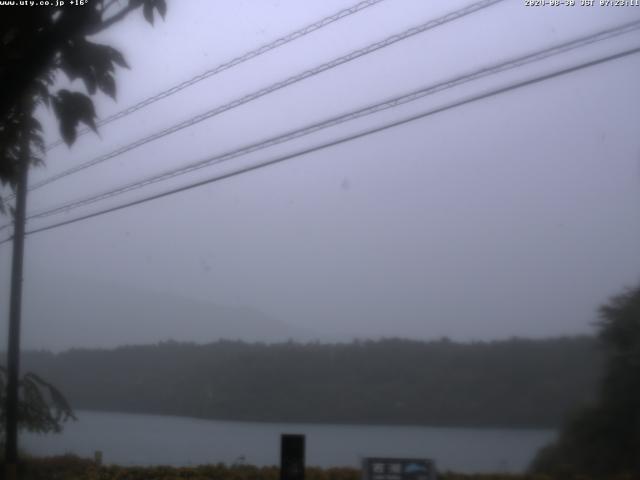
[{"x": 314, "y": 423}]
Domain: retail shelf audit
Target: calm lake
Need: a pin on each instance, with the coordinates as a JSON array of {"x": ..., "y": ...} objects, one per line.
[{"x": 130, "y": 439}]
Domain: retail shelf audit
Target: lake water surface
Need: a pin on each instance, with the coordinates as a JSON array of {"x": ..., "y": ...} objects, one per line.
[{"x": 131, "y": 439}]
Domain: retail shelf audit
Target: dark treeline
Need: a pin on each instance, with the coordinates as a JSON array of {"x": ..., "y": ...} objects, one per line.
[{"x": 515, "y": 383}]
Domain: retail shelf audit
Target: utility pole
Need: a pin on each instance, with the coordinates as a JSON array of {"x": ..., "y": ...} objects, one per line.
[{"x": 15, "y": 302}]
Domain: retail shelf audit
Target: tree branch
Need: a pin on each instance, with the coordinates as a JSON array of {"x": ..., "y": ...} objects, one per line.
[
  {"x": 114, "y": 19},
  {"x": 41, "y": 53}
]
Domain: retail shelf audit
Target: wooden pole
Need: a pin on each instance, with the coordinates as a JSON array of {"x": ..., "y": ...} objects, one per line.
[{"x": 15, "y": 304}]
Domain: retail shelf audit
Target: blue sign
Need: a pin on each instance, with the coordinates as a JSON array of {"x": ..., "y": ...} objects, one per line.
[{"x": 398, "y": 469}]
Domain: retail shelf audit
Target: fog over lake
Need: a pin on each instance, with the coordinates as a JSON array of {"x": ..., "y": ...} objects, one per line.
[{"x": 129, "y": 439}]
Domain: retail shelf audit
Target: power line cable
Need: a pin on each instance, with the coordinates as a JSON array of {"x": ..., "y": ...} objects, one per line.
[
  {"x": 230, "y": 64},
  {"x": 371, "y": 109},
  {"x": 276, "y": 86},
  {"x": 345, "y": 139},
  {"x": 491, "y": 70}
]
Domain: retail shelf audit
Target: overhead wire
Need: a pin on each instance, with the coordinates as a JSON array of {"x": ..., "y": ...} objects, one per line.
[
  {"x": 345, "y": 139},
  {"x": 477, "y": 6},
  {"x": 224, "y": 66},
  {"x": 290, "y": 37},
  {"x": 336, "y": 120},
  {"x": 491, "y": 70}
]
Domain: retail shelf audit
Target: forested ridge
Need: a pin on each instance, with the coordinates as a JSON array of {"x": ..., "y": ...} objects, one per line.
[{"x": 512, "y": 383}]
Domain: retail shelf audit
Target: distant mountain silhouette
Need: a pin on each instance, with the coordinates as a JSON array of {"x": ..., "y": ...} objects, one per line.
[{"x": 61, "y": 313}]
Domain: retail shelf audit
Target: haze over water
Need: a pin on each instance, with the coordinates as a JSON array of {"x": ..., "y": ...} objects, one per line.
[{"x": 128, "y": 439}]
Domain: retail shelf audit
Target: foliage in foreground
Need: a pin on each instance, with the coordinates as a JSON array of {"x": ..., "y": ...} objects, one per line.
[
  {"x": 72, "y": 467},
  {"x": 37, "y": 44},
  {"x": 41, "y": 407},
  {"x": 605, "y": 438}
]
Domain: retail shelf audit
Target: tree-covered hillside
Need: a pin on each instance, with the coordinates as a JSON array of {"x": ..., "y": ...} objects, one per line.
[
  {"x": 511, "y": 383},
  {"x": 603, "y": 439}
]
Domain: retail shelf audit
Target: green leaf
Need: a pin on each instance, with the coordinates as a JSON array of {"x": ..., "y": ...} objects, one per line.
[
  {"x": 118, "y": 58},
  {"x": 108, "y": 85},
  {"x": 93, "y": 63},
  {"x": 161, "y": 6},
  {"x": 147, "y": 11},
  {"x": 72, "y": 108}
]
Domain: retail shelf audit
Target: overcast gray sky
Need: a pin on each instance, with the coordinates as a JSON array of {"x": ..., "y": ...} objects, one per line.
[{"x": 514, "y": 215}]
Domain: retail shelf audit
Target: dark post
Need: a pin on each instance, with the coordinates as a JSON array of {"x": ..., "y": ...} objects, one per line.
[
  {"x": 13, "y": 353},
  {"x": 292, "y": 457}
]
